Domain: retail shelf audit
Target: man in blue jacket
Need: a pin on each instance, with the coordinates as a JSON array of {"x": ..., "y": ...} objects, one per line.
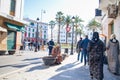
[
  {"x": 84, "y": 45},
  {"x": 50, "y": 46}
]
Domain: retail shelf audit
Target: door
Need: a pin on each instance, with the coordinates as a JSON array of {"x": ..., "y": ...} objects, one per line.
[{"x": 11, "y": 40}]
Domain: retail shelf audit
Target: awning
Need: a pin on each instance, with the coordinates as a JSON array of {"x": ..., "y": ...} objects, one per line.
[
  {"x": 15, "y": 27},
  {"x": 3, "y": 29}
]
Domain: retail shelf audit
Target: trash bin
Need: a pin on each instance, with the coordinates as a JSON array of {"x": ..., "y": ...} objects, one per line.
[{"x": 66, "y": 50}]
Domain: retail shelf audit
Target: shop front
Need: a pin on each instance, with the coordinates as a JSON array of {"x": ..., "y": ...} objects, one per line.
[{"x": 10, "y": 34}]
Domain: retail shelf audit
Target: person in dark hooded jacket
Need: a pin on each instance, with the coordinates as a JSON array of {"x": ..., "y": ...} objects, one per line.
[
  {"x": 50, "y": 46},
  {"x": 96, "y": 49}
]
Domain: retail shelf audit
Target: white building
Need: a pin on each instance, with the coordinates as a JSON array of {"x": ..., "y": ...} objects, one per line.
[
  {"x": 31, "y": 29},
  {"x": 63, "y": 36}
]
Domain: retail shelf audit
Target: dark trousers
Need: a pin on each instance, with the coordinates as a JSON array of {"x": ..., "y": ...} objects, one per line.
[{"x": 50, "y": 50}]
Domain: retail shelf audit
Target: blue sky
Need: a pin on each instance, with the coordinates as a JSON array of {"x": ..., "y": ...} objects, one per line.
[{"x": 83, "y": 8}]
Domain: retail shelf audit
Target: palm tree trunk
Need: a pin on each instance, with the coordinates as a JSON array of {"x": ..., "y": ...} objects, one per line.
[
  {"x": 76, "y": 36},
  {"x": 51, "y": 32},
  {"x": 66, "y": 33},
  {"x": 66, "y": 37},
  {"x": 58, "y": 34}
]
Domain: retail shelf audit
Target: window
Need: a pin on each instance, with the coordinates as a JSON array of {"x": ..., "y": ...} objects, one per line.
[
  {"x": 69, "y": 34},
  {"x": 44, "y": 36},
  {"x": 29, "y": 29},
  {"x": 12, "y": 7},
  {"x": 32, "y": 24},
  {"x": 28, "y": 34},
  {"x": 33, "y": 35},
  {"x": 112, "y": 28},
  {"x": 33, "y": 30}
]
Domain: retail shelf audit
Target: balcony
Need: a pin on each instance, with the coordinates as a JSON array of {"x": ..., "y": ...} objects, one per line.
[
  {"x": 112, "y": 11},
  {"x": 103, "y": 4}
]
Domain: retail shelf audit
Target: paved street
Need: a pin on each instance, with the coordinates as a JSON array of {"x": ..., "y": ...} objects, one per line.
[{"x": 29, "y": 66}]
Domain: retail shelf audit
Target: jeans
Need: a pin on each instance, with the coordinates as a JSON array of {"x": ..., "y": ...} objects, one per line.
[
  {"x": 84, "y": 54},
  {"x": 78, "y": 57}
]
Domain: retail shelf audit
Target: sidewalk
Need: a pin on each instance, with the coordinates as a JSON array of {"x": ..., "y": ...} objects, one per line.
[
  {"x": 12, "y": 63},
  {"x": 70, "y": 69}
]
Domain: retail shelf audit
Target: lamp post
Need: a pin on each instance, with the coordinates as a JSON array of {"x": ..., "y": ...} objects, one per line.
[
  {"x": 37, "y": 33},
  {"x": 73, "y": 19},
  {"x": 42, "y": 11}
]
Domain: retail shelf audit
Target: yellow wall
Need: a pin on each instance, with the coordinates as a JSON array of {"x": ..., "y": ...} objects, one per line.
[
  {"x": 18, "y": 40},
  {"x": 3, "y": 41},
  {"x": 3, "y": 37}
]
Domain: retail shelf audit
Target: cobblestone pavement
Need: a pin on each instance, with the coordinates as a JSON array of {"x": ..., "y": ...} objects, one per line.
[{"x": 29, "y": 66}]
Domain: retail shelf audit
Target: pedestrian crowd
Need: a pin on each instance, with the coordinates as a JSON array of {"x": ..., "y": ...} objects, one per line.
[
  {"x": 96, "y": 53},
  {"x": 31, "y": 46},
  {"x": 93, "y": 52}
]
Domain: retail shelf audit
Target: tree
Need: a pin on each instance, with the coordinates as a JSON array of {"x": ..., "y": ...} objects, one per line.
[
  {"x": 52, "y": 25},
  {"x": 77, "y": 24},
  {"x": 79, "y": 30},
  {"x": 93, "y": 24},
  {"x": 67, "y": 22},
  {"x": 60, "y": 19}
]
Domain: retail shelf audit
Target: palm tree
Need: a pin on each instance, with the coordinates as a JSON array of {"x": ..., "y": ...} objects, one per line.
[
  {"x": 93, "y": 24},
  {"x": 59, "y": 18},
  {"x": 67, "y": 22},
  {"x": 77, "y": 24},
  {"x": 79, "y": 30},
  {"x": 52, "y": 24}
]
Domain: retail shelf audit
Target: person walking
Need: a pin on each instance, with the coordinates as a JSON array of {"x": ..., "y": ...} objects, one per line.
[
  {"x": 78, "y": 48},
  {"x": 50, "y": 46},
  {"x": 96, "y": 49},
  {"x": 84, "y": 45},
  {"x": 112, "y": 55}
]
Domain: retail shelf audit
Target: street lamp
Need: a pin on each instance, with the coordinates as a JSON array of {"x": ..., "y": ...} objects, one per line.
[
  {"x": 37, "y": 33},
  {"x": 73, "y": 19},
  {"x": 42, "y": 11}
]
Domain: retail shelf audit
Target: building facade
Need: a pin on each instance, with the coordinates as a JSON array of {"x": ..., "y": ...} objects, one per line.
[
  {"x": 110, "y": 18},
  {"x": 11, "y": 24},
  {"x": 63, "y": 36},
  {"x": 31, "y": 29}
]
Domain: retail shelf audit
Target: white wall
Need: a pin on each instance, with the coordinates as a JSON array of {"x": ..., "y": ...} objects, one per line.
[
  {"x": 5, "y": 8},
  {"x": 62, "y": 36},
  {"x": 19, "y": 9}
]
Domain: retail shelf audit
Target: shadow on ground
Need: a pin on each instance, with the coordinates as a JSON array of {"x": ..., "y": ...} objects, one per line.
[{"x": 80, "y": 73}]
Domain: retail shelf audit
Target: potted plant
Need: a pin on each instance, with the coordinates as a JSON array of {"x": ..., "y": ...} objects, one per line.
[
  {"x": 11, "y": 52},
  {"x": 49, "y": 60},
  {"x": 2, "y": 52}
]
